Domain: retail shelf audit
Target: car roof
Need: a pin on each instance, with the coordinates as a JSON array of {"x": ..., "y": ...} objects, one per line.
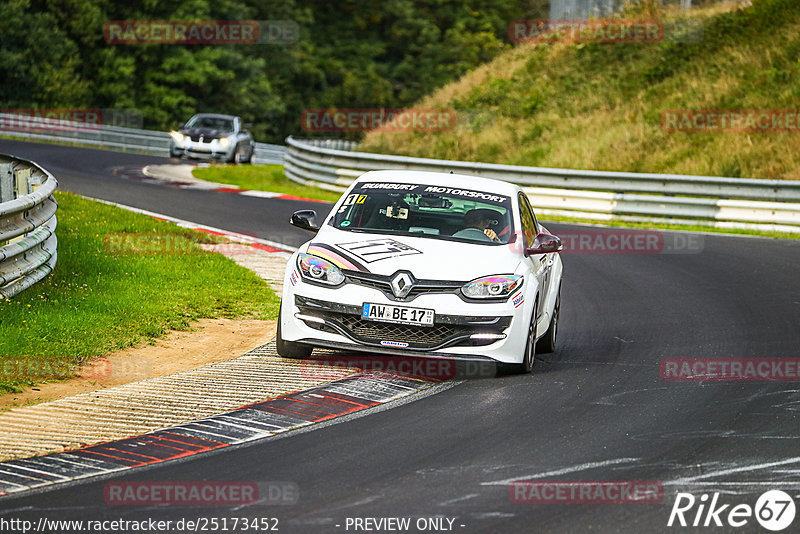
[
  {"x": 462, "y": 181},
  {"x": 214, "y": 115}
]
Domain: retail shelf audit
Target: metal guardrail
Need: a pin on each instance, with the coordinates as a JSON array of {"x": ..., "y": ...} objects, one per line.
[
  {"x": 28, "y": 244},
  {"x": 269, "y": 154},
  {"x": 112, "y": 137},
  {"x": 708, "y": 200}
]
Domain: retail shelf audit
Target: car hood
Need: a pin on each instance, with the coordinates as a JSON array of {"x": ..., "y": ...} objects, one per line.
[
  {"x": 425, "y": 258},
  {"x": 207, "y": 133}
]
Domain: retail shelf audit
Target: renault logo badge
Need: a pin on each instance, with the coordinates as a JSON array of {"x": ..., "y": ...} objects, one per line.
[{"x": 402, "y": 284}]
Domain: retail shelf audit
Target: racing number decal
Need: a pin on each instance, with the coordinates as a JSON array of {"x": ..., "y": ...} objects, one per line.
[
  {"x": 351, "y": 200},
  {"x": 378, "y": 249}
]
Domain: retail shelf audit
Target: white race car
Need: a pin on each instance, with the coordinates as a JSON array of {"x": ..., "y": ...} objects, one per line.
[{"x": 428, "y": 265}]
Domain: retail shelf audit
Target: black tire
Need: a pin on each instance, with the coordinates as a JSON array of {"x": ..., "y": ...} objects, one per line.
[
  {"x": 290, "y": 349},
  {"x": 232, "y": 158},
  {"x": 530, "y": 348},
  {"x": 249, "y": 159},
  {"x": 238, "y": 155},
  {"x": 547, "y": 343}
]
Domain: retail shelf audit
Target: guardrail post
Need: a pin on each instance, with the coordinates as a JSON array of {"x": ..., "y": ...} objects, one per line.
[
  {"x": 6, "y": 183},
  {"x": 23, "y": 181}
]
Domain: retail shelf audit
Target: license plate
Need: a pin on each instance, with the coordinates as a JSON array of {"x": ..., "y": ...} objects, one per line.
[{"x": 389, "y": 313}]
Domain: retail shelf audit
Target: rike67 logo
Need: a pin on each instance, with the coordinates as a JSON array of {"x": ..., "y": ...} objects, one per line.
[{"x": 774, "y": 511}]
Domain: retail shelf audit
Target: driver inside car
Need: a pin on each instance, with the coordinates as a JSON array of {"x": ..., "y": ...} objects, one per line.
[{"x": 477, "y": 225}]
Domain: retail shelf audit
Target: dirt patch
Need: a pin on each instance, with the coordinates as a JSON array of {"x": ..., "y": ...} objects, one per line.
[{"x": 211, "y": 340}]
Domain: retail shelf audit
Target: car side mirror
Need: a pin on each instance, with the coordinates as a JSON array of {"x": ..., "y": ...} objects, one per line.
[
  {"x": 305, "y": 219},
  {"x": 248, "y": 125},
  {"x": 543, "y": 244}
]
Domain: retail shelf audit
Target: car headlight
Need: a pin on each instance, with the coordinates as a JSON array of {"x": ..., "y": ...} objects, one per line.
[
  {"x": 177, "y": 136},
  {"x": 492, "y": 287},
  {"x": 315, "y": 269},
  {"x": 224, "y": 141}
]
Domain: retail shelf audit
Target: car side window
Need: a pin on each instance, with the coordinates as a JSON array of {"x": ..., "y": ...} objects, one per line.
[
  {"x": 529, "y": 227},
  {"x": 533, "y": 215}
]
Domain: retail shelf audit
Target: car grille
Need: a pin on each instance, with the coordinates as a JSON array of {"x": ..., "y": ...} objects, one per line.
[
  {"x": 203, "y": 138},
  {"x": 423, "y": 337}
]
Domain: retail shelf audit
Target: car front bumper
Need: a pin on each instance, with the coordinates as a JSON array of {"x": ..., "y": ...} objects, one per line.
[
  {"x": 202, "y": 150},
  {"x": 331, "y": 317}
]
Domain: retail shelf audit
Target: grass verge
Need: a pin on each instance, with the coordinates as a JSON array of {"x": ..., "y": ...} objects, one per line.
[
  {"x": 100, "y": 299},
  {"x": 261, "y": 178}
]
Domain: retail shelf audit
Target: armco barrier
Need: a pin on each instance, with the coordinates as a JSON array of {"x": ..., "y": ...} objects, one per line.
[
  {"x": 112, "y": 137},
  {"x": 27, "y": 224},
  {"x": 705, "y": 200}
]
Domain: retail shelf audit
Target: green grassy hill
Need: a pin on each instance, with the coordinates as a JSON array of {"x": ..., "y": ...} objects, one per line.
[{"x": 599, "y": 105}]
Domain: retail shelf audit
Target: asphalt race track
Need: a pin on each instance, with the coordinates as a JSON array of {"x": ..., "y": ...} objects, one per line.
[{"x": 596, "y": 410}]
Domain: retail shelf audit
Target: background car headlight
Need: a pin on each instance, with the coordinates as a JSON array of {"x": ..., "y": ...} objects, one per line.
[
  {"x": 492, "y": 287},
  {"x": 177, "y": 136},
  {"x": 316, "y": 269},
  {"x": 224, "y": 141}
]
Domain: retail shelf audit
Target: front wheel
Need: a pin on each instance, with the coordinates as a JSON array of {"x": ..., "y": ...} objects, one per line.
[
  {"x": 547, "y": 343},
  {"x": 290, "y": 349},
  {"x": 238, "y": 155},
  {"x": 530, "y": 348}
]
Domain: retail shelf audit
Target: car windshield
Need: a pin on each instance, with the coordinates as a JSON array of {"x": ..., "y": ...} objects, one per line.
[
  {"x": 214, "y": 123},
  {"x": 428, "y": 211}
]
